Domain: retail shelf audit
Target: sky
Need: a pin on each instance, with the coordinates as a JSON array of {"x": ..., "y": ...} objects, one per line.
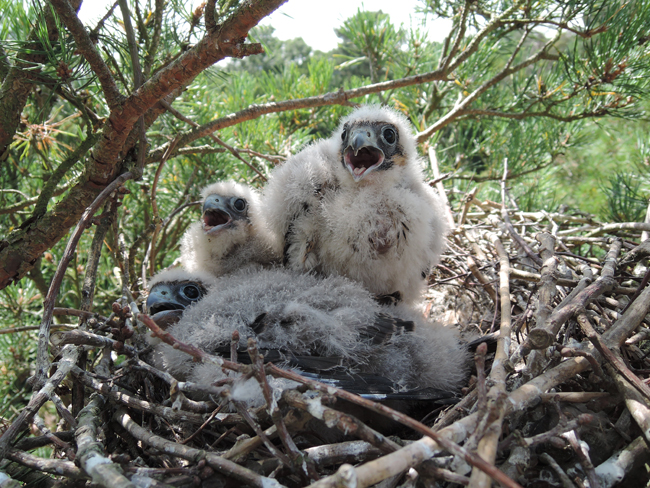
[{"x": 312, "y": 20}]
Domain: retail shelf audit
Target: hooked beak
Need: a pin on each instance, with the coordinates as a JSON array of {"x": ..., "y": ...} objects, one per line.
[
  {"x": 162, "y": 307},
  {"x": 216, "y": 215},
  {"x": 362, "y": 155}
]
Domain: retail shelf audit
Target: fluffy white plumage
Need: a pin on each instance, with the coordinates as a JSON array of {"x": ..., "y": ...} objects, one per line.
[
  {"x": 227, "y": 238},
  {"x": 356, "y": 204},
  {"x": 304, "y": 320}
]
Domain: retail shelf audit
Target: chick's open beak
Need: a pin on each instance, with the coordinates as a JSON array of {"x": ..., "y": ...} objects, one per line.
[{"x": 362, "y": 154}]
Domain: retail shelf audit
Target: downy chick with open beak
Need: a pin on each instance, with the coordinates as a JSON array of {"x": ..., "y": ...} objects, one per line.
[
  {"x": 357, "y": 205},
  {"x": 229, "y": 235}
]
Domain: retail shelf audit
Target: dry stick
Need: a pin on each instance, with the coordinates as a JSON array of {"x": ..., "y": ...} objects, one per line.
[
  {"x": 327, "y": 389},
  {"x": 467, "y": 201},
  {"x": 69, "y": 358},
  {"x": 604, "y": 283},
  {"x": 529, "y": 393},
  {"x": 539, "y": 337},
  {"x": 150, "y": 256},
  {"x": 54, "y": 466},
  {"x": 42, "y": 360},
  {"x": 224, "y": 466},
  {"x": 61, "y": 444},
  {"x": 487, "y": 286},
  {"x": 560, "y": 428},
  {"x": 243, "y": 448},
  {"x": 78, "y": 313},
  {"x": 81, "y": 337},
  {"x": 241, "y": 408},
  {"x": 617, "y": 363},
  {"x": 487, "y": 446},
  {"x": 644, "y": 283},
  {"x": 573, "y": 396},
  {"x": 612, "y": 471},
  {"x": 350, "y": 425},
  {"x": 90, "y": 452},
  {"x": 481, "y": 389},
  {"x": 371, "y": 474},
  {"x": 643, "y": 226},
  {"x": 583, "y": 455},
  {"x": 636, "y": 403},
  {"x": 506, "y": 219},
  {"x": 31, "y": 443},
  {"x": 615, "y": 336},
  {"x": 135, "y": 403},
  {"x": 548, "y": 278},
  {"x": 451, "y": 415},
  {"x": 305, "y": 468},
  {"x": 566, "y": 481},
  {"x": 182, "y": 386},
  {"x": 342, "y": 421},
  {"x": 440, "y": 187},
  {"x": 343, "y": 452}
]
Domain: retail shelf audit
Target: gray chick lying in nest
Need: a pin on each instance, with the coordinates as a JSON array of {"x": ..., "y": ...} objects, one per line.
[{"x": 328, "y": 329}]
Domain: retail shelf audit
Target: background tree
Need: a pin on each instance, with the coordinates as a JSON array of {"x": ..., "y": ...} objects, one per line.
[{"x": 148, "y": 93}]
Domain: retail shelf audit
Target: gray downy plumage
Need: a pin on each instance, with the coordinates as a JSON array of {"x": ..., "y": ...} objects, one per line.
[
  {"x": 229, "y": 235},
  {"x": 330, "y": 329},
  {"x": 357, "y": 205}
]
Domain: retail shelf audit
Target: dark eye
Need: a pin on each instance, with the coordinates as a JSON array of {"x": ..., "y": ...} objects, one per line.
[
  {"x": 344, "y": 134},
  {"x": 240, "y": 204},
  {"x": 191, "y": 292},
  {"x": 389, "y": 135}
]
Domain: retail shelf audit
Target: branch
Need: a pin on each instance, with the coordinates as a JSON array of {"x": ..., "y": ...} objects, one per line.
[
  {"x": 87, "y": 49},
  {"x": 90, "y": 452},
  {"x": 25, "y": 246},
  {"x": 65, "y": 365},
  {"x": 340, "y": 97},
  {"x": 507, "y": 71},
  {"x": 42, "y": 361},
  {"x": 224, "y": 466}
]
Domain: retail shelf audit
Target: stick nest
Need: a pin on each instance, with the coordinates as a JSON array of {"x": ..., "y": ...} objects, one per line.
[{"x": 554, "y": 304}]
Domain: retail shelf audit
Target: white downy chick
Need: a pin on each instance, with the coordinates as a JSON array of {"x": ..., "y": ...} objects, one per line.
[
  {"x": 229, "y": 235},
  {"x": 357, "y": 205}
]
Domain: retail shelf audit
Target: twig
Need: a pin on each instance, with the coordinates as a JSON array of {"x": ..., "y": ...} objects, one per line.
[
  {"x": 218, "y": 463},
  {"x": 487, "y": 446},
  {"x": 617, "y": 363},
  {"x": 87, "y": 49},
  {"x": 54, "y": 466},
  {"x": 42, "y": 361},
  {"x": 69, "y": 358},
  {"x": 582, "y": 450},
  {"x": 381, "y": 409},
  {"x": 566, "y": 481},
  {"x": 612, "y": 471},
  {"x": 90, "y": 452},
  {"x": 136, "y": 403},
  {"x": 272, "y": 408}
]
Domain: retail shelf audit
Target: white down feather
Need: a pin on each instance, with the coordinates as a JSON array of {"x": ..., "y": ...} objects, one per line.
[
  {"x": 246, "y": 243},
  {"x": 324, "y": 221}
]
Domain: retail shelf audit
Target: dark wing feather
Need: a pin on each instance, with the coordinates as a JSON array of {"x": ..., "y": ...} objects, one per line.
[{"x": 385, "y": 327}]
